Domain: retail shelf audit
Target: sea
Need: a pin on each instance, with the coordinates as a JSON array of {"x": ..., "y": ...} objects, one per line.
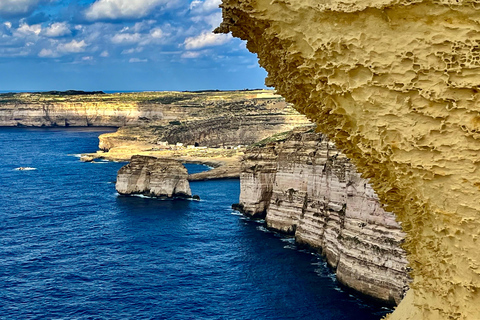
[{"x": 72, "y": 248}]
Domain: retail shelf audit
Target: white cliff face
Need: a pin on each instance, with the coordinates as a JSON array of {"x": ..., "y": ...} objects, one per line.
[
  {"x": 153, "y": 177},
  {"x": 315, "y": 193},
  {"x": 257, "y": 178}
]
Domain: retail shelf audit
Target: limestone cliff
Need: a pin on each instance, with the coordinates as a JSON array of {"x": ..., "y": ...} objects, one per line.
[
  {"x": 150, "y": 176},
  {"x": 303, "y": 185},
  {"x": 213, "y": 123},
  {"x": 209, "y": 118},
  {"x": 395, "y": 84}
]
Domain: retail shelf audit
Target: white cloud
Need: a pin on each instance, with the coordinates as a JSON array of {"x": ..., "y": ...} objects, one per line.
[
  {"x": 191, "y": 54},
  {"x": 87, "y": 58},
  {"x": 73, "y": 46},
  {"x": 62, "y": 49},
  {"x": 213, "y": 19},
  {"x": 132, "y": 50},
  {"x": 105, "y": 54},
  {"x": 8, "y": 24},
  {"x": 12, "y": 7},
  {"x": 156, "y": 33},
  {"x": 126, "y": 38},
  {"x": 117, "y": 9},
  {"x": 202, "y": 7},
  {"x": 47, "y": 53},
  {"x": 24, "y": 29},
  {"x": 142, "y": 39},
  {"x": 136, "y": 60},
  {"x": 142, "y": 26},
  {"x": 206, "y": 39},
  {"x": 57, "y": 29}
]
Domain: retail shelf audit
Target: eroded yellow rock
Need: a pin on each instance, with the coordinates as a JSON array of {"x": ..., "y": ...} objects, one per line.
[{"x": 396, "y": 85}]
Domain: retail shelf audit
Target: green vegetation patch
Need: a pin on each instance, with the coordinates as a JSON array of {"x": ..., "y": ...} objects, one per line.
[{"x": 282, "y": 136}]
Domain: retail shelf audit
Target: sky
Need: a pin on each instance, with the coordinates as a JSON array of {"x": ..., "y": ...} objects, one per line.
[{"x": 120, "y": 45}]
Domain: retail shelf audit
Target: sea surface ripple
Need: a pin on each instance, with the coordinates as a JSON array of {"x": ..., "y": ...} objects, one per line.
[{"x": 72, "y": 248}]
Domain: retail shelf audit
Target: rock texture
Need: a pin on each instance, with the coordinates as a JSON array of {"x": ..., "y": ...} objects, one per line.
[
  {"x": 213, "y": 123},
  {"x": 395, "y": 84},
  {"x": 154, "y": 177},
  {"x": 213, "y": 119},
  {"x": 303, "y": 185}
]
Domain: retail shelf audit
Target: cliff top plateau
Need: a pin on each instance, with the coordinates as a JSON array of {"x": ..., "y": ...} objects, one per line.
[{"x": 184, "y": 98}]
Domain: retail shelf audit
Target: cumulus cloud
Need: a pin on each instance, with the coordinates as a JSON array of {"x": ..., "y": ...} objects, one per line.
[
  {"x": 126, "y": 9},
  {"x": 57, "y": 29},
  {"x": 213, "y": 19},
  {"x": 48, "y": 53},
  {"x": 143, "y": 25},
  {"x": 25, "y": 29},
  {"x": 73, "y": 46},
  {"x": 206, "y": 39},
  {"x": 17, "y": 7},
  {"x": 126, "y": 38},
  {"x": 156, "y": 33},
  {"x": 202, "y": 7}
]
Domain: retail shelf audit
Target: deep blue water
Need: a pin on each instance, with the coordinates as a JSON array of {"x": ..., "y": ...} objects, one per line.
[{"x": 71, "y": 248}]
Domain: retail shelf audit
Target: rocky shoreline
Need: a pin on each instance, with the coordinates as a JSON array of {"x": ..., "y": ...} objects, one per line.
[
  {"x": 303, "y": 186},
  {"x": 296, "y": 180}
]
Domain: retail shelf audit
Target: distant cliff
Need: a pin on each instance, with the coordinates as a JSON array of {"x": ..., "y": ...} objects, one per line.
[
  {"x": 213, "y": 119},
  {"x": 302, "y": 185}
]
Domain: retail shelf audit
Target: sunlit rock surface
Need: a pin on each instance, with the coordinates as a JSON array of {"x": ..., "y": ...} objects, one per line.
[
  {"x": 154, "y": 177},
  {"x": 395, "y": 84},
  {"x": 302, "y": 185}
]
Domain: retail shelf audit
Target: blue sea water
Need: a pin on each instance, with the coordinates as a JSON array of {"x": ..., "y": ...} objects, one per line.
[{"x": 71, "y": 248}]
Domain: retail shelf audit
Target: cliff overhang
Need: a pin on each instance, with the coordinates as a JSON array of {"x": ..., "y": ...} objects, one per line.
[{"x": 395, "y": 84}]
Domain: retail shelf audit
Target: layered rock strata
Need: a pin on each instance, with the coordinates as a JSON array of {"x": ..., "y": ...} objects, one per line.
[
  {"x": 213, "y": 119},
  {"x": 163, "y": 178},
  {"x": 304, "y": 186},
  {"x": 395, "y": 84},
  {"x": 219, "y": 124}
]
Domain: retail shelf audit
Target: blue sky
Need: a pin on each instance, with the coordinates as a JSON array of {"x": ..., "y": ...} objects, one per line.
[{"x": 120, "y": 45}]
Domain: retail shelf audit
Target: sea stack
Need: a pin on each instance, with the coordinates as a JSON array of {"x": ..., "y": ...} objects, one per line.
[{"x": 150, "y": 176}]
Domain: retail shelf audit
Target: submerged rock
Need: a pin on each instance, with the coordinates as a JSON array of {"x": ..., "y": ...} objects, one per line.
[{"x": 150, "y": 176}]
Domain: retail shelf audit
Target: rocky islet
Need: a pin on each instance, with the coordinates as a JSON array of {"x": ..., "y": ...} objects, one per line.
[{"x": 149, "y": 176}]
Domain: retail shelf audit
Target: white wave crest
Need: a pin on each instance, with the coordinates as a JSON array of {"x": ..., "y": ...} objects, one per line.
[{"x": 25, "y": 169}]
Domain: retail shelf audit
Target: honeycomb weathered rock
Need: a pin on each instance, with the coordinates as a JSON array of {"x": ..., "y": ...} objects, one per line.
[{"x": 395, "y": 84}]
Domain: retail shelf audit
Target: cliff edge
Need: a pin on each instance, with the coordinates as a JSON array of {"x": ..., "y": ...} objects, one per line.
[
  {"x": 395, "y": 85},
  {"x": 302, "y": 185}
]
